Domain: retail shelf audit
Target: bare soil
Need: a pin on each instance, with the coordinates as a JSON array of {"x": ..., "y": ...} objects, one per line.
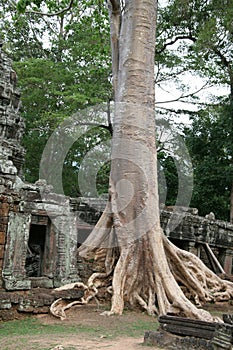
[
  {"x": 89, "y": 330},
  {"x": 76, "y": 342},
  {"x": 112, "y": 332}
]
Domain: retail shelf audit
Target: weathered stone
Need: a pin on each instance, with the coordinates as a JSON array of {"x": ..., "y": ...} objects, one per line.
[
  {"x": 187, "y": 327},
  {"x": 3, "y": 228},
  {"x": 8, "y": 315},
  {"x": 11, "y": 124},
  {"x": 2, "y": 237},
  {"x": 41, "y": 282},
  {"x": 161, "y": 339},
  {"x": 170, "y": 341},
  {"x": 25, "y": 305},
  {"x": 5, "y": 304},
  {"x": 68, "y": 294},
  {"x": 228, "y": 318},
  {"x": 13, "y": 284},
  {"x": 4, "y": 209},
  {"x": 183, "y": 333},
  {"x": 14, "y": 298},
  {"x": 223, "y": 337},
  {"x": 2, "y": 251}
]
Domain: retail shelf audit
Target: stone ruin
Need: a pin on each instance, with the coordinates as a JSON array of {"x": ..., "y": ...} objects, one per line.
[
  {"x": 41, "y": 230},
  {"x": 35, "y": 249}
]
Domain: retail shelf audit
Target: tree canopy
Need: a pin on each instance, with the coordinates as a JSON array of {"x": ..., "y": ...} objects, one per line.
[
  {"x": 63, "y": 65},
  {"x": 137, "y": 263}
]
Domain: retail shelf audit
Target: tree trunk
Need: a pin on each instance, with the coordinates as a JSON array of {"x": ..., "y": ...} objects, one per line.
[
  {"x": 231, "y": 125},
  {"x": 231, "y": 204},
  {"x": 139, "y": 264}
]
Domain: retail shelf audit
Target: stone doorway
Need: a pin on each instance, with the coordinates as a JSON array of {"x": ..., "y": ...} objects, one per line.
[{"x": 34, "y": 262}]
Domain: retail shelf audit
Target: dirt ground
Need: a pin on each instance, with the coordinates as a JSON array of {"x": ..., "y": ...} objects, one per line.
[
  {"x": 89, "y": 330},
  {"x": 76, "y": 342},
  {"x": 112, "y": 332}
]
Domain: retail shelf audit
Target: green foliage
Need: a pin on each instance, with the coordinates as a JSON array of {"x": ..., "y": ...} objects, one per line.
[
  {"x": 204, "y": 29},
  {"x": 63, "y": 66},
  {"x": 210, "y": 144},
  {"x": 168, "y": 167},
  {"x": 102, "y": 180},
  {"x": 95, "y": 170},
  {"x": 196, "y": 36}
]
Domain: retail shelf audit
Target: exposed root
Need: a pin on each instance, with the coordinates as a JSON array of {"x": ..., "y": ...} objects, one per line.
[
  {"x": 155, "y": 274},
  {"x": 76, "y": 285},
  {"x": 59, "y": 306},
  {"x": 199, "y": 282}
]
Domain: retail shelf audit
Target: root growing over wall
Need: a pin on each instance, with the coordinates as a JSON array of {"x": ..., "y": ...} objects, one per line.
[{"x": 150, "y": 272}]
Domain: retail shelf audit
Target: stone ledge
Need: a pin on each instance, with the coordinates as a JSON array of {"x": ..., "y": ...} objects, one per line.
[
  {"x": 184, "y": 333},
  {"x": 35, "y": 301},
  {"x": 170, "y": 341}
]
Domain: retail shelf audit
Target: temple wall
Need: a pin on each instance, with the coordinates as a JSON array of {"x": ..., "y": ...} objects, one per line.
[{"x": 40, "y": 230}]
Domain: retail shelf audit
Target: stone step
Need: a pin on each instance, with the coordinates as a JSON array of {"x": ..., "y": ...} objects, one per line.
[{"x": 187, "y": 327}]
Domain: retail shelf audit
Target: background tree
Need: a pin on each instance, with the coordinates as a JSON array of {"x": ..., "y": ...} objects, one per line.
[
  {"x": 210, "y": 145},
  {"x": 199, "y": 37},
  {"x": 63, "y": 65}
]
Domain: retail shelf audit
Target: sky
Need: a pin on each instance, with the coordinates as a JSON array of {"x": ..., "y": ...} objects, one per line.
[
  {"x": 166, "y": 96},
  {"x": 168, "y": 92}
]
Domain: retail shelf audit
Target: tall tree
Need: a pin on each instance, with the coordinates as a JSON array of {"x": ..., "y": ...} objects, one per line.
[
  {"x": 63, "y": 65},
  {"x": 210, "y": 145},
  {"x": 199, "y": 35},
  {"x": 139, "y": 264}
]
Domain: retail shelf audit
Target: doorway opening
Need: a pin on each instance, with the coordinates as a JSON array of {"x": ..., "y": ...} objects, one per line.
[{"x": 35, "y": 251}]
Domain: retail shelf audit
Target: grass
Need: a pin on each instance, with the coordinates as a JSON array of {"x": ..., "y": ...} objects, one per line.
[
  {"x": 26, "y": 333},
  {"x": 18, "y": 335},
  {"x": 32, "y": 334},
  {"x": 34, "y": 327},
  {"x": 137, "y": 328}
]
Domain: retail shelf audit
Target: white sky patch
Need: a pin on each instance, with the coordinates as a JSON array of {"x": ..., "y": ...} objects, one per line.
[{"x": 170, "y": 97}]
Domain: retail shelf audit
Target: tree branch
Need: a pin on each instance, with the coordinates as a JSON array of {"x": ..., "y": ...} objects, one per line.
[
  {"x": 224, "y": 61},
  {"x": 179, "y": 37},
  {"x": 110, "y": 127},
  {"x": 184, "y": 96},
  {"x": 107, "y": 127},
  {"x": 227, "y": 64},
  {"x": 169, "y": 76},
  {"x": 115, "y": 5},
  {"x": 54, "y": 13},
  {"x": 115, "y": 26}
]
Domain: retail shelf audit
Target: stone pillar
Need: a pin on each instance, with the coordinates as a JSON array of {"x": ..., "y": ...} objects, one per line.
[
  {"x": 222, "y": 337},
  {"x": 14, "y": 274},
  {"x": 221, "y": 256},
  {"x": 228, "y": 261},
  {"x": 4, "y": 214},
  {"x": 66, "y": 237},
  {"x": 11, "y": 124},
  {"x": 193, "y": 248}
]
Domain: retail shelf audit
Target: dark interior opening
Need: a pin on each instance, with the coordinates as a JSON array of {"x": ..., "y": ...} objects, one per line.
[
  {"x": 83, "y": 233},
  {"x": 35, "y": 251},
  {"x": 182, "y": 244}
]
